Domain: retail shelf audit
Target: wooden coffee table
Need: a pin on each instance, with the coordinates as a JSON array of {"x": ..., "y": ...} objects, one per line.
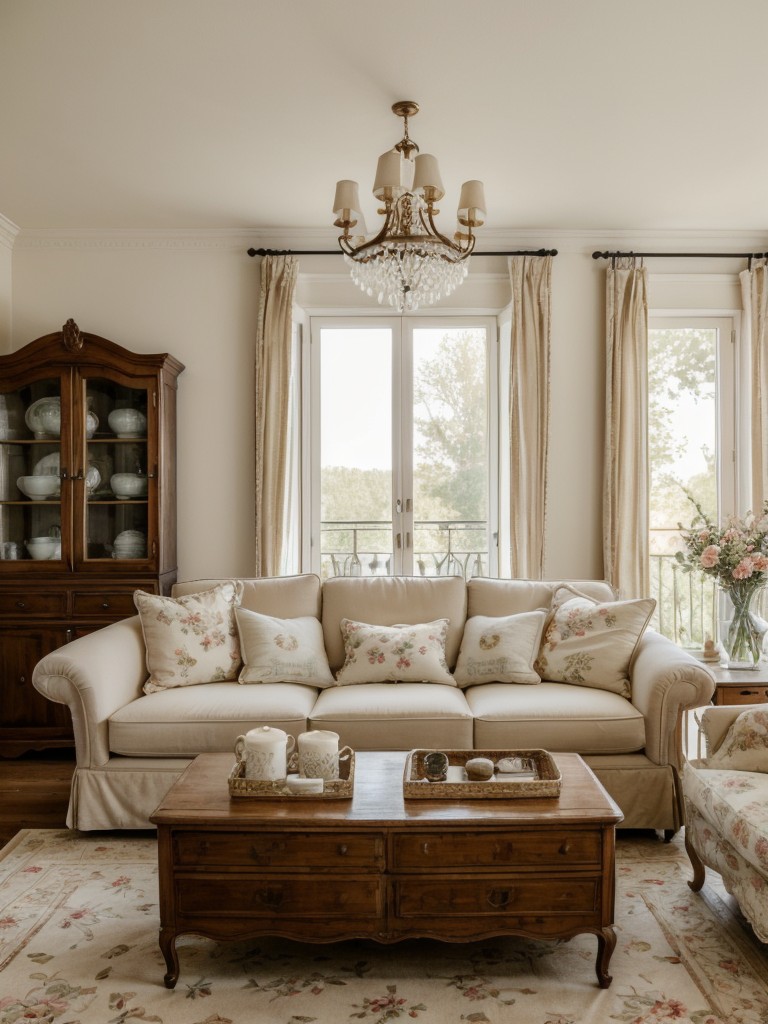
[{"x": 385, "y": 868}]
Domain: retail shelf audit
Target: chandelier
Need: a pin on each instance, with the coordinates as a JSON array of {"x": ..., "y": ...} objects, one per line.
[{"x": 409, "y": 263}]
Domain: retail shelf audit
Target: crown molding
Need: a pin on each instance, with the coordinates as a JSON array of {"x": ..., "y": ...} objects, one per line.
[{"x": 9, "y": 232}]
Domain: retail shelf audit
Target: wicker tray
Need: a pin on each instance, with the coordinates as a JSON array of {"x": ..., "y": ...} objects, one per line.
[
  {"x": 257, "y": 789},
  {"x": 547, "y": 781}
]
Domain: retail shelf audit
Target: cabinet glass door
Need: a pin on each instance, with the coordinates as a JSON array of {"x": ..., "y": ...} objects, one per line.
[
  {"x": 31, "y": 472},
  {"x": 117, "y": 472}
]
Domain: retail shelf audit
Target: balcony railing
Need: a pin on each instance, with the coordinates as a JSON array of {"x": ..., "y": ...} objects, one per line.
[{"x": 441, "y": 548}]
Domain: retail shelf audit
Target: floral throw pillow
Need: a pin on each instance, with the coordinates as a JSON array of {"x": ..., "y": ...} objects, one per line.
[
  {"x": 282, "y": 650},
  {"x": 394, "y": 654},
  {"x": 500, "y": 649},
  {"x": 590, "y": 643},
  {"x": 190, "y": 639},
  {"x": 745, "y": 747}
]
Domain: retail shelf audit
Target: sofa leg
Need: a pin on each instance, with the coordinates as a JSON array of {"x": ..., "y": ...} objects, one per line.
[{"x": 699, "y": 873}]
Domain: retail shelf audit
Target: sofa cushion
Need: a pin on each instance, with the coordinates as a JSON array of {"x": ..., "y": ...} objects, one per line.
[
  {"x": 282, "y": 650},
  {"x": 745, "y": 746},
  {"x": 400, "y": 654},
  {"x": 592, "y": 643},
  {"x": 508, "y": 597},
  {"x": 395, "y": 716},
  {"x": 736, "y": 806},
  {"x": 190, "y": 639},
  {"x": 500, "y": 648},
  {"x": 387, "y": 600},
  {"x": 206, "y": 719},
  {"x": 554, "y": 716},
  {"x": 283, "y": 596}
]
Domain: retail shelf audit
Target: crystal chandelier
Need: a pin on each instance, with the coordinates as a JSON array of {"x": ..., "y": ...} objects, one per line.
[{"x": 408, "y": 263}]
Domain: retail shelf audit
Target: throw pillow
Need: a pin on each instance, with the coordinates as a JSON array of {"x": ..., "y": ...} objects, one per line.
[
  {"x": 191, "y": 639},
  {"x": 500, "y": 649},
  {"x": 745, "y": 747},
  {"x": 394, "y": 654},
  {"x": 592, "y": 643},
  {"x": 282, "y": 650}
]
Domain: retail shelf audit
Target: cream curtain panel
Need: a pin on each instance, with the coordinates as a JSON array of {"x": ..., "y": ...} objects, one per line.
[
  {"x": 754, "y": 292},
  {"x": 529, "y": 388},
  {"x": 626, "y": 474},
  {"x": 272, "y": 377}
]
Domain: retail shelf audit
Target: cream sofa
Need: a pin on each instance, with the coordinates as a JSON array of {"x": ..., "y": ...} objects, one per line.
[
  {"x": 726, "y": 819},
  {"x": 132, "y": 746}
]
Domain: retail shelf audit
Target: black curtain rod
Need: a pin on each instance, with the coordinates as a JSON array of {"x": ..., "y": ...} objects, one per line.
[
  {"x": 337, "y": 252},
  {"x": 681, "y": 255}
]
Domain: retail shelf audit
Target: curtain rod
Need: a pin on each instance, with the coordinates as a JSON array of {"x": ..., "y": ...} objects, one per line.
[
  {"x": 681, "y": 255},
  {"x": 338, "y": 252}
]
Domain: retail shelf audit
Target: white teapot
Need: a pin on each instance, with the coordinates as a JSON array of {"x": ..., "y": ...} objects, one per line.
[{"x": 265, "y": 752}]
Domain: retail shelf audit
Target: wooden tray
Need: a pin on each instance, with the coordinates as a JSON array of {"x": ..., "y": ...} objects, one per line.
[
  {"x": 256, "y": 789},
  {"x": 547, "y": 781}
]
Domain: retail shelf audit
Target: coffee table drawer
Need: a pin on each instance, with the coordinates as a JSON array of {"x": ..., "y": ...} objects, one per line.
[
  {"x": 434, "y": 851},
  {"x": 279, "y": 898},
  {"x": 281, "y": 851},
  {"x": 484, "y": 897}
]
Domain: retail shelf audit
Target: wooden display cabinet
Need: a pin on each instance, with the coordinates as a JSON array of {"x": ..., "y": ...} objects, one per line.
[{"x": 77, "y": 410}]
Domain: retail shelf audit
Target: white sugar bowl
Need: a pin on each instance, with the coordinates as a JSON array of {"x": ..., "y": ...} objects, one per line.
[
  {"x": 127, "y": 422},
  {"x": 128, "y": 485},
  {"x": 265, "y": 752}
]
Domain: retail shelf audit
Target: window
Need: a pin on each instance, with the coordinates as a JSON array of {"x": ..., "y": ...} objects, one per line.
[
  {"x": 692, "y": 451},
  {"x": 403, "y": 441}
]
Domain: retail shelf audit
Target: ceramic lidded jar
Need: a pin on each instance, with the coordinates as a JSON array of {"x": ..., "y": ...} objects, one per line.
[{"x": 265, "y": 752}]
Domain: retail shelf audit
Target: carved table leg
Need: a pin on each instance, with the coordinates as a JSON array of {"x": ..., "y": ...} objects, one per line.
[
  {"x": 699, "y": 873},
  {"x": 606, "y": 943},
  {"x": 168, "y": 949}
]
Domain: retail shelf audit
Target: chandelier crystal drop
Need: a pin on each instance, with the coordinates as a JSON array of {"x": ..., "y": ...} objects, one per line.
[{"x": 408, "y": 263}]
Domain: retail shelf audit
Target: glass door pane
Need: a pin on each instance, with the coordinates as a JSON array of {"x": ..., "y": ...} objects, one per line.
[
  {"x": 30, "y": 472},
  {"x": 450, "y": 451},
  {"x": 117, "y": 471},
  {"x": 355, "y": 464}
]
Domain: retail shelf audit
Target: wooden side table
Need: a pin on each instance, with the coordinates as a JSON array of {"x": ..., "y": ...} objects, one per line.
[{"x": 740, "y": 686}]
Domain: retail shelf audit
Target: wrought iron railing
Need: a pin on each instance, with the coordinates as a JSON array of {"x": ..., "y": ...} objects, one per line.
[{"x": 441, "y": 548}]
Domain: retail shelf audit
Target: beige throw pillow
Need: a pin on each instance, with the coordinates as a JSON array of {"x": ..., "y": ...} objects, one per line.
[
  {"x": 592, "y": 643},
  {"x": 191, "y": 639},
  {"x": 394, "y": 654},
  {"x": 282, "y": 650},
  {"x": 500, "y": 649},
  {"x": 745, "y": 747}
]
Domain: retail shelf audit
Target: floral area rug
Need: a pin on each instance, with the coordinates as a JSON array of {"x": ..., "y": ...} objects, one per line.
[{"x": 78, "y": 945}]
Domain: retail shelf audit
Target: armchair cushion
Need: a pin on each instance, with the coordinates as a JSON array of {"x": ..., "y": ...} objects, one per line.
[{"x": 745, "y": 747}]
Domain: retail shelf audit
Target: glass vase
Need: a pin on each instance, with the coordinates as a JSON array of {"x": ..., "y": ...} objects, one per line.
[{"x": 742, "y": 630}]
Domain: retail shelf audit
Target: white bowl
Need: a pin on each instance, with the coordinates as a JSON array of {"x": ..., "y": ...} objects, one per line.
[
  {"x": 130, "y": 544},
  {"x": 128, "y": 485},
  {"x": 43, "y": 417},
  {"x": 38, "y": 488},
  {"x": 43, "y": 547},
  {"x": 127, "y": 422}
]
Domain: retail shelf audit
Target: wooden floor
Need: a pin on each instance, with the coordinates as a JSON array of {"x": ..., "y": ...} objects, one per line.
[{"x": 34, "y": 791}]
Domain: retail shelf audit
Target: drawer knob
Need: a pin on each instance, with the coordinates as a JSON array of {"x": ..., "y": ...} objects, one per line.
[
  {"x": 21, "y": 604},
  {"x": 271, "y": 898},
  {"x": 343, "y": 849},
  {"x": 565, "y": 848},
  {"x": 425, "y": 849},
  {"x": 105, "y": 604},
  {"x": 499, "y": 897}
]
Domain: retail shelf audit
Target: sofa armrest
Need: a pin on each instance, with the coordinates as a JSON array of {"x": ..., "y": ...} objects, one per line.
[
  {"x": 716, "y": 721},
  {"x": 94, "y": 676},
  {"x": 666, "y": 681}
]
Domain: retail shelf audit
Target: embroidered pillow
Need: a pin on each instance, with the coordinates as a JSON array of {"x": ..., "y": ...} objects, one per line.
[
  {"x": 190, "y": 639},
  {"x": 282, "y": 650},
  {"x": 394, "y": 654},
  {"x": 500, "y": 649},
  {"x": 592, "y": 643},
  {"x": 745, "y": 747}
]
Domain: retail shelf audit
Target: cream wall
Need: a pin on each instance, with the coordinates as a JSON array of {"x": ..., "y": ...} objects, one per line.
[
  {"x": 8, "y": 232},
  {"x": 197, "y": 297}
]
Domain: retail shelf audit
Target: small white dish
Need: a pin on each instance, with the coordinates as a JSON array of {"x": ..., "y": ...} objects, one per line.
[
  {"x": 38, "y": 488},
  {"x": 128, "y": 485},
  {"x": 127, "y": 422}
]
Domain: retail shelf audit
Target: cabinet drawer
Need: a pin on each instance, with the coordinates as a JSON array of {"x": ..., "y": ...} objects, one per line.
[
  {"x": 25, "y": 603},
  {"x": 114, "y": 603},
  {"x": 493, "y": 897},
  {"x": 450, "y": 850},
  {"x": 741, "y": 694},
  {"x": 281, "y": 851},
  {"x": 295, "y": 897}
]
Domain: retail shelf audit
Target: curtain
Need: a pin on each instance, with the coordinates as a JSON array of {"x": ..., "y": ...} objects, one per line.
[
  {"x": 529, "y": 412},
  {"x": 754, "y": 292},
  {"x": 626, "y": 475},
  {"x": 272, "y": 381}
]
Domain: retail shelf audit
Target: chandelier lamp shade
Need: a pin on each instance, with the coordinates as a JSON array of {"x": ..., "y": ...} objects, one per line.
[{"x": 408, "y": 263}]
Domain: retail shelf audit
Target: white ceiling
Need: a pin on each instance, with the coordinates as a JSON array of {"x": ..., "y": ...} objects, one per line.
[{"x": 577, "y": 114}]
